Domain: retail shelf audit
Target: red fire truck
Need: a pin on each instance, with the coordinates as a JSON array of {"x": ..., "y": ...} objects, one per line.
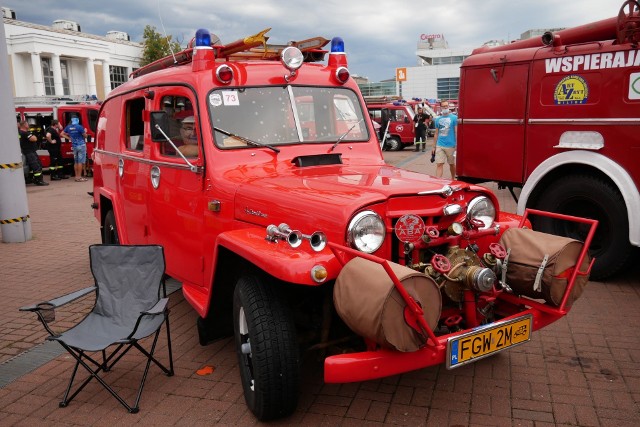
[
  {"x": 40, "y": 112},
  {"x": 257, "y": 169},
  {"x": 399, "y": 115},
  {"x": 558, "y": 117}
]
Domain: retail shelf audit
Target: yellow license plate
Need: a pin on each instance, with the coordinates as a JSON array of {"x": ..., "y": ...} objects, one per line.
[{"x": 487, "y": 340}]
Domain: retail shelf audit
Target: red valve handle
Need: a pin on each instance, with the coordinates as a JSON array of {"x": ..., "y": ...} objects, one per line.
[
  {"x": 441, "y": 264},
  {"x": 453, "y": 320},
  {"x": 498, "y": 250},
  {"x": 432, "y": 232}
]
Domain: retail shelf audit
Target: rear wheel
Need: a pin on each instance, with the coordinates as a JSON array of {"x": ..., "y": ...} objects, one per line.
[
  {"x": 589, "y": 197},
  {"x": 110, "y": 230},
  {"x": 393, "y": 144},
  {"x": 267, "y": 349}
]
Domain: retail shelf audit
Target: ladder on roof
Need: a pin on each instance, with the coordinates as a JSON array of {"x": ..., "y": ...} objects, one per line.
[{"x": 253, "y": 47}]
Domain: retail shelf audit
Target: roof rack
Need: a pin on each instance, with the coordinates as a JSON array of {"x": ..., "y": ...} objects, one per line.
[{"x": 253, "y": 47}]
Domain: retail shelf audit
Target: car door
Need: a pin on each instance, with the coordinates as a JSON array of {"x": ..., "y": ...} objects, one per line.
[
  {"x": 176, "y": 203},
  {"x": 133, "y": 169}
]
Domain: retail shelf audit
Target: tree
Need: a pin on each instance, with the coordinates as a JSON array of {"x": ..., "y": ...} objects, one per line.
[{"x": 156, "y": 45}]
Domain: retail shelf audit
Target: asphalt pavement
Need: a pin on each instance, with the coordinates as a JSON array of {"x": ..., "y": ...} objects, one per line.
[{"x": 582, "y": 370}]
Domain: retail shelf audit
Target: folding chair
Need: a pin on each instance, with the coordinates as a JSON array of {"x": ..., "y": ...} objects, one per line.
[{"x": 131, "y": 304}]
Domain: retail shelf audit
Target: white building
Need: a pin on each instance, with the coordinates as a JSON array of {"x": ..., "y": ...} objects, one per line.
[
  {"x": 437, "y": 75},
  {"x": 62, "y": 61}
]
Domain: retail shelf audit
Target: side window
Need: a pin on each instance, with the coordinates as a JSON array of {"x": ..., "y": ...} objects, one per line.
[
  {"x": 182, "y": 127},
  {"x": 68, "y": 115},
  {"x": 135, "y": 125},
  {"x": 93, "y": 119},
  {"x": 376, "y": 116}
]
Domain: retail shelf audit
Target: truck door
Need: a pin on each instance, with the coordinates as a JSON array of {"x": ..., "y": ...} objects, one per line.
[
  {"x": 133, "y": 170},
  {"x": 176, "y": 202},
  {"x": 491, "y": 134}
]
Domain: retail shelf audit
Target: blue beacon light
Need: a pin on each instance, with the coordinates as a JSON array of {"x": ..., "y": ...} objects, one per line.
[
  {"x": 337, "y": 45},
  {"x": 337, "y": 57},
  {"x": 203, "y": 38}
]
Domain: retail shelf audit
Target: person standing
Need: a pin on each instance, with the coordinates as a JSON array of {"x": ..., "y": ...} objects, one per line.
[
  {"x": 29, "y": 146},
  {"x": 444, "y": 146},
  {"x": 420, "y": 120},
  {"x": 52, "y": 136},
  {"x": 77, "y": 134}
]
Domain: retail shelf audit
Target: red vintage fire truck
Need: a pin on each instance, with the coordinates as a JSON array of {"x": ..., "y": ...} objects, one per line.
[
  {"x": 400, "y": 131},
  {"x": 557, "y": 116},
  {"x": 398, "y": 115},
  {"x": 40, "y": 112},
  {"x": 257, "y": 169}
]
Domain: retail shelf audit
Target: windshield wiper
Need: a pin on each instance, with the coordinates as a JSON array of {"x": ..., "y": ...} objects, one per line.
[
  {"x": 345, "y": 134},
  {"x": 247, "y": 140}
]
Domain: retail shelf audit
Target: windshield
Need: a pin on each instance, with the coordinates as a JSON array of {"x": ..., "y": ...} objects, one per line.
[{"x": 285, "y": 115}]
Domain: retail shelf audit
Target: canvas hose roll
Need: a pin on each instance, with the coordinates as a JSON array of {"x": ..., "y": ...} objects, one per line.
[{"x": 367, "y": 300}]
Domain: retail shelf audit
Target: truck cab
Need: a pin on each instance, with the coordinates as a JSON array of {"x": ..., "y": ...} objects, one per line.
[{"x": 396, "y": 122}]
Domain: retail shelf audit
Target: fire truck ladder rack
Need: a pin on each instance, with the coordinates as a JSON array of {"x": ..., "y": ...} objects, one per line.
[
  {"x": 21, "y": 101},
  {"x": 253, "y": 47}
]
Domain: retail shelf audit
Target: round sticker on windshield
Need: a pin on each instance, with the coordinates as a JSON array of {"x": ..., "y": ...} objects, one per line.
[
  {"x": 215, "y": 99},
  {"x": 409, "y": 228}
]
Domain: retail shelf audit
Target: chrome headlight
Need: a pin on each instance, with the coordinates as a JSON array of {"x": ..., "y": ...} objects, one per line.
[
  {"x": 366, "y": 232},
  {"x": 482, "y": 208}
]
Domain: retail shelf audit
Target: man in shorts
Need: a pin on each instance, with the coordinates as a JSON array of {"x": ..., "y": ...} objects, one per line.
[
  {"x": 445, "y": 140},
  {"x": 77, "y": 134}
]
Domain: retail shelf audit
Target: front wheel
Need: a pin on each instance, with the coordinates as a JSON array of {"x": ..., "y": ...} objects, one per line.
[
  {"x": 589, "y": 197},
  {"x": 267, "y": 349},
  {"x": 393, "y": 144}
]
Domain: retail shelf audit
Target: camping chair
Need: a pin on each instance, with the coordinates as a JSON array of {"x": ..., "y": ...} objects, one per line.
[{"x": 129, "y": 306}]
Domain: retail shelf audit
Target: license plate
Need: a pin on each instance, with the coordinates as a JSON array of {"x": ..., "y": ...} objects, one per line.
[{"x": 487, "y": 340}]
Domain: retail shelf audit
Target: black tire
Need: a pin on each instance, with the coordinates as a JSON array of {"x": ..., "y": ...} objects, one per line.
[
  {"x": 589, "y": 197},
  {"x": 393, "y": 144},
  {"x": 110, "y": 230},
  {"x": 267, "y": 349}
]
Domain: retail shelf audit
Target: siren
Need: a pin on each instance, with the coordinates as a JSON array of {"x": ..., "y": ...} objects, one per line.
[
  {"x": 203, "y": 53},
  {"x": 203, "y": 39},
  {"x": 337, "y": 56}
]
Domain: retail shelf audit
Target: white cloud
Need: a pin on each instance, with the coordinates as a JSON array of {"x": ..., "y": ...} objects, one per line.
[{"x": 379, "y": 35}]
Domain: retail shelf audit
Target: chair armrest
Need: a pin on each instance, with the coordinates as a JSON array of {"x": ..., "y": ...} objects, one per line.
[
  {"x": 158, "y": 308},
  {"x": 60, "y": 301}
]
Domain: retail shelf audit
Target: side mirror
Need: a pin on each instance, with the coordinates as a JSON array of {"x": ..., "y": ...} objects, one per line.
[
  {"x": 406, "y": 119},
  {"x": 161, "y": 119}
]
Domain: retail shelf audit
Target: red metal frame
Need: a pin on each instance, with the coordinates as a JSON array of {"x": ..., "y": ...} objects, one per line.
[
  {"x": 592, "y": 230},
  {"x": 384, "y": 362}
]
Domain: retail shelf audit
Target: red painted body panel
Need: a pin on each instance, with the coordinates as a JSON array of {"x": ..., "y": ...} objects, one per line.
[{"x": 509, "y": 104}]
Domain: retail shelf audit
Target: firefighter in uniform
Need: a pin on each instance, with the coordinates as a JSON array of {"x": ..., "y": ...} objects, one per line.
[
  {"x": 29, "y": 145},
  {"x": 52, "y": 135}
]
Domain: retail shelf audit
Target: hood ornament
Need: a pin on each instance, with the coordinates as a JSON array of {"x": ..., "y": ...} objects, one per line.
[{"x": 445, "y": 191}]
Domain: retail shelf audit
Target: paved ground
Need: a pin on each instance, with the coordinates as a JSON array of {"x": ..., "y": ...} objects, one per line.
[{"x": 583, "y": 370}]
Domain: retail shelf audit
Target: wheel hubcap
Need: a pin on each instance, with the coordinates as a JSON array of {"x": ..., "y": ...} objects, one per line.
[{"x": 245, "y": 346}]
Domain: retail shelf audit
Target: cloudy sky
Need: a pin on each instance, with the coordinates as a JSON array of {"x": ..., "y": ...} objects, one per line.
[{"x": 379, "y": 36}]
